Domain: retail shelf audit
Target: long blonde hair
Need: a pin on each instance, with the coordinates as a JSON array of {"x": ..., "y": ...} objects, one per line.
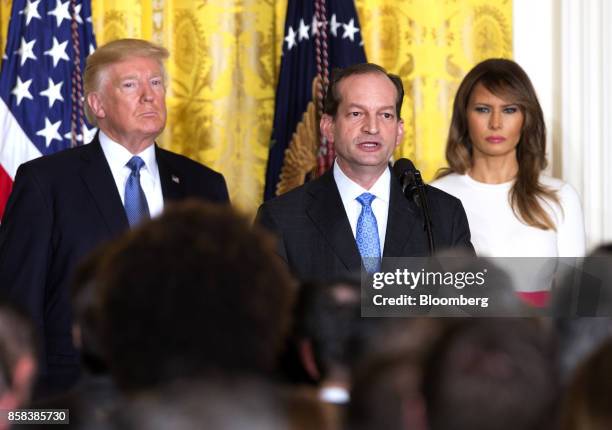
[{"x": 506, "y": 79}]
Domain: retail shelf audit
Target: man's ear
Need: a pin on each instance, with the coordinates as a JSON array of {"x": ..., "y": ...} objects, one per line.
[
  {"x": 327, "y": 127},
  {"x": 400, "y": 132},
  {"x": 23, "y": 379},
  {"x": 308, "y": 360},
  {"x": 95, "y": 104}
]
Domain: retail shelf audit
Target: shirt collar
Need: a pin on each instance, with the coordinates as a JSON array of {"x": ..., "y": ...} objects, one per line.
[
  {"x": 117, "y": 155},
  {"x": 350, "y": 190}
]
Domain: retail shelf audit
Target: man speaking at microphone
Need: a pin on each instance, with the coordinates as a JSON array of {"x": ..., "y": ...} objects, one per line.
[{"x": 356, "y": 211}]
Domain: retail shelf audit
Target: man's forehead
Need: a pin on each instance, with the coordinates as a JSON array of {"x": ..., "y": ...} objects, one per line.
[
  {"x": 135, "y": 67},
  {"x": 369, "y": 76},
  {"x": 353, "y": 88}
]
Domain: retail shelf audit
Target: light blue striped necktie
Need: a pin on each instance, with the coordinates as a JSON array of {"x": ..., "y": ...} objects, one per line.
[
  {"x": 367, "y": 234},
  {"x": 135, "y": 201}
]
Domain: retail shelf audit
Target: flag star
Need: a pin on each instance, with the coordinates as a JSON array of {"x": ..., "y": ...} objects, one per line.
[
  {"x": 22, "y": 90},
  {"x": 26, "y": 50},
  {"x": 53, "y": 92},
  {"x": 60, "y": 12},
  {"x": 350, "y": 30},
  {"x": 88, "y": 132},
  {"x": 333, "y": 25},
  {"x": 58, "y": 51},
  {"x": 50, "y": 132},
  {"x": 77, "y": 13},
  {"x": 303, "y": 30},
  {"x": 30, "y": 11},
  {"x": 290, "y": 39}
]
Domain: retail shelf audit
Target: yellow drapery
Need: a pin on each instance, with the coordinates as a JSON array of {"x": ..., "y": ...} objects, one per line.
[
  {"x": 224, "y": 64},
  {"x": 5, "y": 14},
  {"x": 431, "y": 45},
  {"x": 222, "y": 67}
]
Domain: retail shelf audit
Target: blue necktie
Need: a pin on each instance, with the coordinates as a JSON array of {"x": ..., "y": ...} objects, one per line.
[
  {"x": 367, "y": 234},
  {"x": 135, "y": 201}
]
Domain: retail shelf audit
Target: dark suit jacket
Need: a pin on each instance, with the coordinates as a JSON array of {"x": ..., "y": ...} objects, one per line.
[
  {"x": 316, "y": 240},
  {"x": 61, "y": 207}
]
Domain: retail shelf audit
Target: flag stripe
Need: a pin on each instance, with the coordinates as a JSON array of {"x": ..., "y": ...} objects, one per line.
[
  {"x": 36, "y": 81},
  {"x": 17, "y": 148},
  {"x": 6, "y": 185}
]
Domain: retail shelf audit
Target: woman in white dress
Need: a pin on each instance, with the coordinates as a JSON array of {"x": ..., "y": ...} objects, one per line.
[{"x": 496, "y": 152}]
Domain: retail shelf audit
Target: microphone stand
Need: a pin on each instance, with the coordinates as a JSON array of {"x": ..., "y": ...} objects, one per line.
[{"x": 420, "y": 199}]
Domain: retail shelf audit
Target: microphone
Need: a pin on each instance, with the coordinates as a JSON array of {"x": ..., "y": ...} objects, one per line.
[
  {"x": 414, "y": 189},
  {"x": 409, "y": 178}
]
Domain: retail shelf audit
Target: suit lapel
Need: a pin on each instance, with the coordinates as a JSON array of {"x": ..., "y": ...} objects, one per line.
[
  {"x": 171, "y": 180},
  {"x": 328, "y": 215},
  {"x": 99, "y": 180},
  {"x": 401, "y": 222}
]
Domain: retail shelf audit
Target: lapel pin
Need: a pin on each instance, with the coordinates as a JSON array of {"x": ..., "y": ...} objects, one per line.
[{"x": 176, "y": 179}]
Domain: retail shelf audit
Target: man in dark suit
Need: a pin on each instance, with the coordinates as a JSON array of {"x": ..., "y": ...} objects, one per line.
[
  {"x": 357, "y": 209},
  {"x": 65, "y": 204}
]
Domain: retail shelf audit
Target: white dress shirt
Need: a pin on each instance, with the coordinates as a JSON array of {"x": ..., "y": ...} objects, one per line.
[
  {"x": 118, "y": 156},
  {"x": 350, "y": 190}
]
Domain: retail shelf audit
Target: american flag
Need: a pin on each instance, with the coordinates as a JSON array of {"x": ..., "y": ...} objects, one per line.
[
  {"x": 298, "y": 67},
  {"x": 41, "y": 106}
]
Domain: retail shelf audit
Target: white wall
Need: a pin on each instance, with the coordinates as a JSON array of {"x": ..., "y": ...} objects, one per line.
[
  {"x": 566, "y": 48},
  {"x": 534, "y": 49}
]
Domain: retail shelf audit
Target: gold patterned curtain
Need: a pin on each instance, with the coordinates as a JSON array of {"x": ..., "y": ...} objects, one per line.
[
  {"x": 222, "y": 67},
  {"x": 224, "y": 63},
  {"x": 431, "y": 45},
  {"x": 5, "y": 14}
]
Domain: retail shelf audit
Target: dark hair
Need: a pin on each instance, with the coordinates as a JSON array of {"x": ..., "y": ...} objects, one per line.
[
  {"x": 491, "y": 373},
  {"x": 386, "y": 385},
  {"x": 332, "y": 97},
  {"x": 383, "y": 389},
  {"x": 85, "y": 313},
  {"x": 587, "y": 401},
  {"x": 18, "y": 338},
  {"x": 329, "y": 315},
  {"x": 507, "y": 79},
  {"x": 193, "y": 292}
]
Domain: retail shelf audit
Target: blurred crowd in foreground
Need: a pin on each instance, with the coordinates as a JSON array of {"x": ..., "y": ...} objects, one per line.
[{"x": 191, "y": 320}]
